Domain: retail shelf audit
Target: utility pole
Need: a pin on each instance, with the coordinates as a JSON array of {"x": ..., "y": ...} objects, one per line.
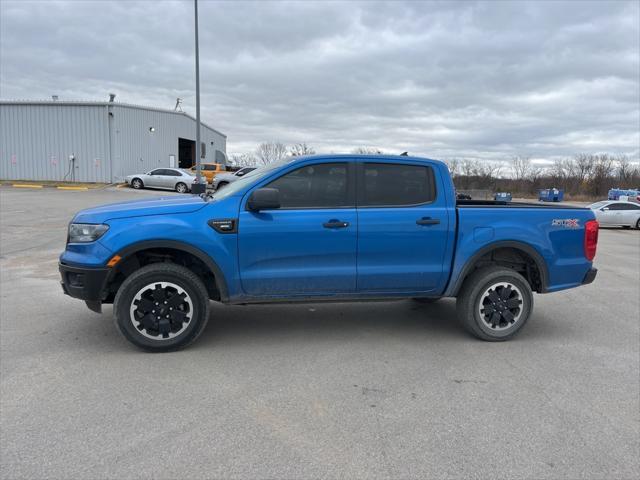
[{"x": 199, "y": 187}]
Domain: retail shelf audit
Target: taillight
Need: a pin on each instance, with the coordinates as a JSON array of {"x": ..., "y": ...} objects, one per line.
[{"x": 590, "y": 239}]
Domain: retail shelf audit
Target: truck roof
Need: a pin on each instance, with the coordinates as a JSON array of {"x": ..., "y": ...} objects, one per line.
[{"x": 369, "y": 156}]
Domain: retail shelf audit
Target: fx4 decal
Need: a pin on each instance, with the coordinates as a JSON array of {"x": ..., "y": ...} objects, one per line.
[{"x": 565, "y": 222}]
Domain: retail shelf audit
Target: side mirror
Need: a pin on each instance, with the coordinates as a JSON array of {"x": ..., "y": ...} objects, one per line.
[
  {"x": 239, "y": 174},
  {"x": 605, "y": 209},
  {"x": 264, "y": 199}
]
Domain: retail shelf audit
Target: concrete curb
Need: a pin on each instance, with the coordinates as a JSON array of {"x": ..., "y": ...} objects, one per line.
[
  {"x": 25, "y": 185},
  {"x": 57, "y": 187},
  {"x": 37, "y": 186}
]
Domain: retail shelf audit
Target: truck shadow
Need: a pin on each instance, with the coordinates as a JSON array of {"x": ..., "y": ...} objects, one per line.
[
  {"x": 401, "y": 321},
  {"x": 374, "y": 323},
  {"x": 313, "y": 322}
]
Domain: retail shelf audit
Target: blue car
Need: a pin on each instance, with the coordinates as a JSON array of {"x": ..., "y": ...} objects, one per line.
[{"x": 324, "y": 228}]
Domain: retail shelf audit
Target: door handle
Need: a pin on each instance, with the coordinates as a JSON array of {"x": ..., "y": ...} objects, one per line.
[
  {"x": 335, "y": 224},
  {"x": 427, "y": 221}
]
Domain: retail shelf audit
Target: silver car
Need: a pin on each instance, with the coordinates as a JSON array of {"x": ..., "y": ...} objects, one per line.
[
  {"x": 222, "y": 179},
  {"x": 613, "y": 213},
  {"x": 168, "y": 178}
]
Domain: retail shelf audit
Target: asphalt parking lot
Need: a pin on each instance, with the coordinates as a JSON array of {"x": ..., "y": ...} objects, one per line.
[{"x": 375, "y": 390}]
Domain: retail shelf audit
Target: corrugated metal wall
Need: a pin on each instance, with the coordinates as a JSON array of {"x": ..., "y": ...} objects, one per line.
[
  {"x": 108, "y": 141},
  {"x": 137, "y": 149},
  {"x": 37, "y": 140}
]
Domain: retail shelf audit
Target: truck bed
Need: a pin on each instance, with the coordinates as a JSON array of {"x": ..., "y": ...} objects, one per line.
[
  {"x": 497, "y": 203},
  {"x": 554, "y": 232}
]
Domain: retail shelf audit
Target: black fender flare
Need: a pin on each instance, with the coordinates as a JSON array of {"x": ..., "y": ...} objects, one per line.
[
  {"x": 221, "y": 283},
  {"x": 525, "y": 248}
]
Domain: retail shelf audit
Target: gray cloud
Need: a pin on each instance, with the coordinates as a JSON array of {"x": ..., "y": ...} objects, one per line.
[{"x": 442, "y": 79}]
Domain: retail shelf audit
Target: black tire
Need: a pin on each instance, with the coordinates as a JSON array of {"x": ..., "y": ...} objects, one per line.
[
  {"x": 158, "y": 334},
  {"x": 137, "y": 183},
  {"x": 181, "y": 187},
  {"x": 222, "y": 184},
  {"x": 638, "y": 224},
  {"x": 512, "y": 315},
  {"x": 426, "y": 299}
]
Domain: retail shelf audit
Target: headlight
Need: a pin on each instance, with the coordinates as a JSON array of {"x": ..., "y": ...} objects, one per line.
[{"x": 85, "y": 232}]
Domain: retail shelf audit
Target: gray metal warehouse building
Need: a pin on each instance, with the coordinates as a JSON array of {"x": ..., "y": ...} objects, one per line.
[{"x": 97, "y": 141}]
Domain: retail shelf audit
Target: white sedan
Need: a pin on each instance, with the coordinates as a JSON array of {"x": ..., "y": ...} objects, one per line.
[
  {"x": 167, "y": 178},
  {"x": 611, "y": 213},
  {"x": 222, "y": 179}
]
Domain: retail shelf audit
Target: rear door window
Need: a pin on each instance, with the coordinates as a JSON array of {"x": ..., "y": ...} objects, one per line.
[{"x": 392, "y": 185}]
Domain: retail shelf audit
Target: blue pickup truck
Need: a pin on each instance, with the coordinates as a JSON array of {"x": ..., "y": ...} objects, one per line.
[{"x": 324, "y": 228}]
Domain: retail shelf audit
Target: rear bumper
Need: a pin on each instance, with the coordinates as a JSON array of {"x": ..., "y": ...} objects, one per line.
[
  {"x": 590, "y": 276},
  {"x": 84, "y": 283}
]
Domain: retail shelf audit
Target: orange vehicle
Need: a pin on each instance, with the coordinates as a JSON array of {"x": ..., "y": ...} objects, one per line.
[{"x": 209, "y": 170}]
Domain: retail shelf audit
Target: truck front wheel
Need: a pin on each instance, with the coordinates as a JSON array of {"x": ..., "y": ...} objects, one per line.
[
  {"x": 494, "y": 303},
  {"x": 161, "y": 307}
]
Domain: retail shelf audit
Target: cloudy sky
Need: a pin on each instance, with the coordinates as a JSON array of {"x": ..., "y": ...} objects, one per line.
[{"x": 442, "y": 79}]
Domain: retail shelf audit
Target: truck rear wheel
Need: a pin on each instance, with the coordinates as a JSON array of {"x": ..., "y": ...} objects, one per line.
[
  {"x": 494, "y": 303},
  {"x": 161, "y": 307}
]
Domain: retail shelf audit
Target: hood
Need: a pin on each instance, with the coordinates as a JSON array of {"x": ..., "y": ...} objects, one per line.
[{"x": 139, "y": 208}]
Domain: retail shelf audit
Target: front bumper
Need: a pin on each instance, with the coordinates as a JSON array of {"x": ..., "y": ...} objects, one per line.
[
  {"x": 84, "y": 283},
  {"x": 590, "y": 276}
]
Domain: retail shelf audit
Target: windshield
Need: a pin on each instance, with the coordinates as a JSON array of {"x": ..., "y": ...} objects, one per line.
[
  {"x": 248, "y": 179},
  {"x": 595, "y": 206}
]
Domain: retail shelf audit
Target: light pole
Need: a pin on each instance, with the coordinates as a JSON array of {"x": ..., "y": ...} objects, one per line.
[{"x": 198, "y": 187}]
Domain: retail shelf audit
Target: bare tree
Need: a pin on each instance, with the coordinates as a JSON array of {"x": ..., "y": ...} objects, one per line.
[
  {"x": 602, "y": 173},
  {"x": 558, "y": 170},
  {"x": 535, "y": 173},
  {"x": 584, "y": 166},
  {"x": 243, "y": 159},
  {"x": 521, "y": 167},
  {"x": 489, "y": 170},
  {"x": 625, "y": 169},
  {"x": 469, "y": 168},
  {"x": 367, "y": 151},
  {"x": 588, "y": 175},
  {"x": 454, "y": 167},
  {"x": 270, "y": 152},
  {"x": 300, "y": 149}
]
